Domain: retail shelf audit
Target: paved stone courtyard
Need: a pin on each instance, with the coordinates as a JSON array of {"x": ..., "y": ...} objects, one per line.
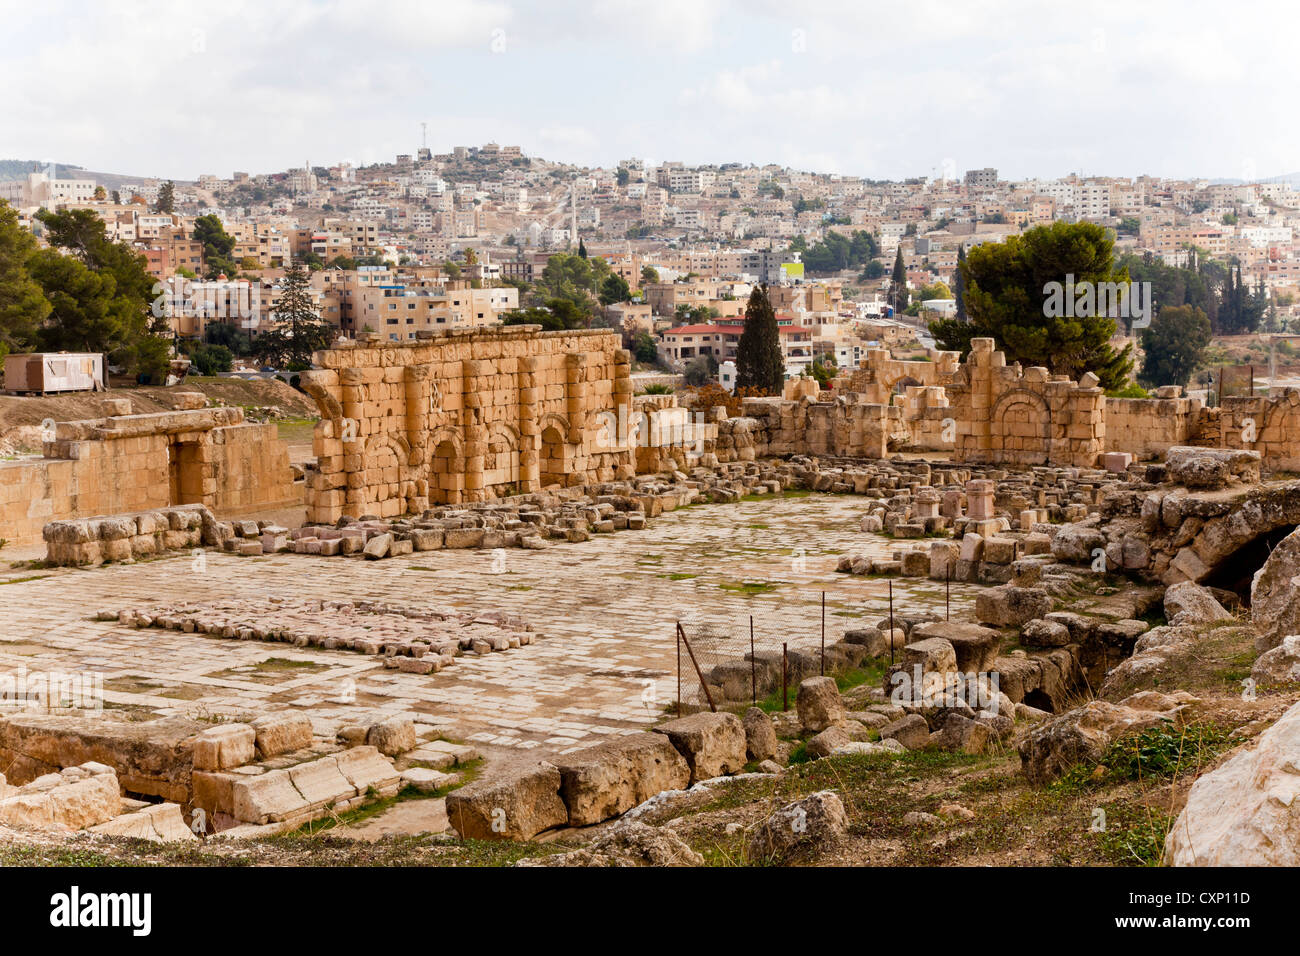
[{"x": 604, "y": 610}]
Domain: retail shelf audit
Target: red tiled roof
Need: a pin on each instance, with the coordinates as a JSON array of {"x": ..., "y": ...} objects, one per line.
[{"x": 705, "y": 329}]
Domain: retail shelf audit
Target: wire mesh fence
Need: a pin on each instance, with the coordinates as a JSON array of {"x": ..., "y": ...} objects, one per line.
[{"x": 722, "y": 661}]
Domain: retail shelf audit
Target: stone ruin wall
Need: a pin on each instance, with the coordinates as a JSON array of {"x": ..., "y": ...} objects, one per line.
[
  {"x": 879, "y": 378},
  {"x": 125, "y": 463},
  {"x": 1006, "y": 414},
  {"x": 1274, "y": 422},
  {"x": 465, "y": 416},
  {"x": 1146, "y": 428}
]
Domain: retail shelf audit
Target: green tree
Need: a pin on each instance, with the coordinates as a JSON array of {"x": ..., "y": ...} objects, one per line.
[
  {"x": 582, "y": 249},
  {"x": 299, "y": 331},
  {"x": 898, "y": 294},
  {"x": 211, "y": 359},
  {"x": 1174, "y": 343},
  {"x": 698, "y": 372},
  {"x": 23, "y": 306},
  {"x": 554, "y": 315},
  {"x": 217, "y": 245},
  {"x": 229, "y": 336},
  {"x": 85, "y": 313},
  {"x": 572, "y": 278},
  {"x": 759, "y": 363},
  {"x": 166, "y": 198},
  {"x": 1012, "y": 292},
  {"x": 649, "y": 275},
  {"x": 614, "y": 289},
  {"x": 874, "y": 269},
  {"x": 644, "y": 348},
  {"x": 823, "y": 368},
  {"x": 140, "y": 333},
  {"x": 1240, "y": 310}
]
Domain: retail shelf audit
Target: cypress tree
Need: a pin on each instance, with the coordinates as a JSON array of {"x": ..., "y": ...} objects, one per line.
[
  {"x": 898, "y": 284},
  {"x": 759, "y": 363}
]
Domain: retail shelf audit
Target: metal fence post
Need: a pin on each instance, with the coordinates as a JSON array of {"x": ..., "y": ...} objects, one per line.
[
  {"x": 698, "y": 673},
  {"x": 891, "y": 623},
  {"x": 785, "y": 686},
  {"x": 678, "y": 641},
  {"x": 753, "y": 663}
]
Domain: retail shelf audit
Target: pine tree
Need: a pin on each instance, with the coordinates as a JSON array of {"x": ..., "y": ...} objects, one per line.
[
  {"x": 166, "y": 198},
  {"x": 300, "y": 331},
  {"x": 582, "y": 249},
  {"x": 759, "y": 363},
  {"x": 898, "y": 295}
]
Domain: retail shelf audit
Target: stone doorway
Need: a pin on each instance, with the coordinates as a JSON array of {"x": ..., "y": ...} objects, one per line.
[
  {"x": 185, "y": 472},
  {"x": 554, "y": 470},
  {"x": 447, "y": 477}
]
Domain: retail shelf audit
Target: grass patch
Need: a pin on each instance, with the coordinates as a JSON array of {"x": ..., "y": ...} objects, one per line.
[
  {"x": 873, "y": 672},
  {"x": 748, "y": 588},
  {"x": 30, "y": 577},
  {"x": 1165, "y": 752},
  {"x": 295, "y": 431},
  {"x": 275, "y": 665}
]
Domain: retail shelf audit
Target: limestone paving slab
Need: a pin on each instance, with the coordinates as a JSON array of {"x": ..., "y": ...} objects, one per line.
[{"x": 606, "y": 607}]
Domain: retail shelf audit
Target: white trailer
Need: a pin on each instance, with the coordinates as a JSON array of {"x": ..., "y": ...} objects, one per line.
[{"x": 44, "y": 372}]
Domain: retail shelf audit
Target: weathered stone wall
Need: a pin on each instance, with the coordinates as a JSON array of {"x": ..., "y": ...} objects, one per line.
[
  {"x": 1146, "y": 428},
  {"x": 250, "y": 468},
  {"x": 925, "y": 412},
  {"x": 876, "y": 379},
  {"x": 465, "y": 416},
  {"x": 124, "y": 463},
  {"x": 1270, "y": 426},
  {"x": 843, "y": 427},
  {"x": 1009, "y": 415}
]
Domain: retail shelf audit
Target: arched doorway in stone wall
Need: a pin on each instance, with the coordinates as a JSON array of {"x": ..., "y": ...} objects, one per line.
[
  {"x": 385, "y": 469},
  {"x": 899, "y": 389},
  {"x": 501, "y": 467},
  {"x": 555, "y": 458},
  {"x": 1021, "y": 429},
  {"x": 446, "y": 474}
]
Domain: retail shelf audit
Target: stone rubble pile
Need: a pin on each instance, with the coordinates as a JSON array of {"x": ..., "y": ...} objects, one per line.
[{"x": 415, "y": 639}]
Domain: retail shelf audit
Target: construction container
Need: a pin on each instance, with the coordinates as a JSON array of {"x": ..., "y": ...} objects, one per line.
[{"x": 44, "y": 372}]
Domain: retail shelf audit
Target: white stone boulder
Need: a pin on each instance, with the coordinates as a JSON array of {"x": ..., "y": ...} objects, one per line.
[{"x": 1247, "y": 811}]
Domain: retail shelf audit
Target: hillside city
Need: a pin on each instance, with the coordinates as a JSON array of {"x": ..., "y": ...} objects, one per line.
[{"x": 483, "y": 235}]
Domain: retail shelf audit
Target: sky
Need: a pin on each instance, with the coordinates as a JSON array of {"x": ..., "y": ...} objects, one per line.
[{"x": 858, "y": 87}]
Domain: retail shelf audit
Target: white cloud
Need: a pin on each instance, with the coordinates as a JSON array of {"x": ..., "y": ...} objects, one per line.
[{"x": 1119, "y": 87}]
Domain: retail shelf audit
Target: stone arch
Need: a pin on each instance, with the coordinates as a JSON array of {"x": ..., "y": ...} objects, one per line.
[
  {"x": 1021, "y": 429},
  {"x": 386, "y": 479},
  {"x": 556, "y": 457},
  {"x": 326, "y": 403},
  {"x": 504, "y": 447},
  {"x": 446, "y": 465},
  {"x": 1227, "y": 549},
  {"x": 553, "y": 420}
]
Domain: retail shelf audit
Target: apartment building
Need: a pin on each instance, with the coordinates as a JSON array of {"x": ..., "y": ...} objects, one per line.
[
  {"x": 40, "y": 189},
  {"x": 400, "y": 310},
  {"x": 681, "y": 344},
  {"x": 986, "y": 178},
  {"x": 664, "y": 298}
]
